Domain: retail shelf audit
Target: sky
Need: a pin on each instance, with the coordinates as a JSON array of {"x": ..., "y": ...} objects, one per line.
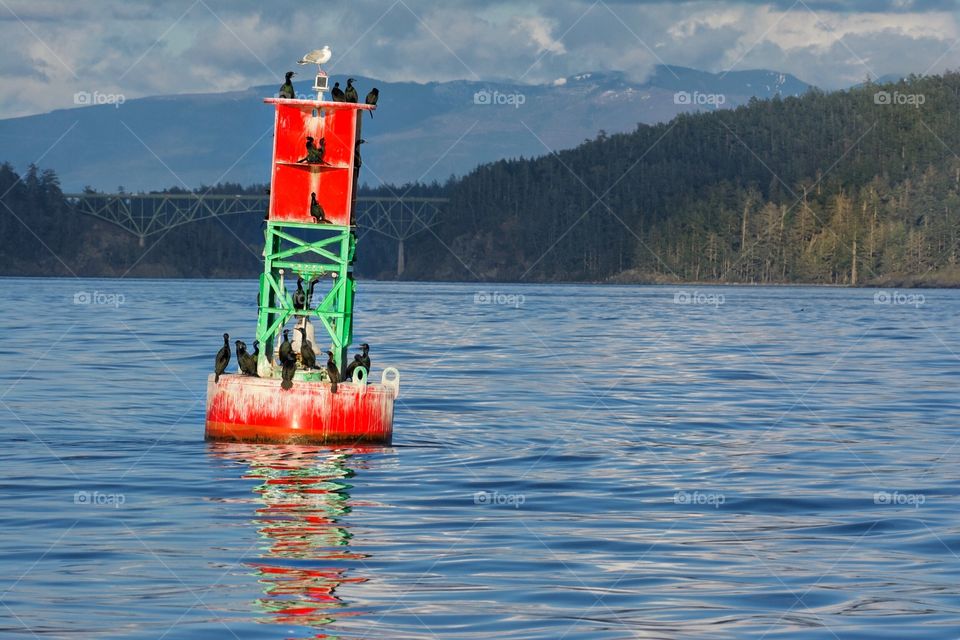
[{"x": 124, "y": 49}]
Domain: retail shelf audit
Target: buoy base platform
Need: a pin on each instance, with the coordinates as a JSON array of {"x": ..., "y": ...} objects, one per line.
[{"x": 247, "y": 409}]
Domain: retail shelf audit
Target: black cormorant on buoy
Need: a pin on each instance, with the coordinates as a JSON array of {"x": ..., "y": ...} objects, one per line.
[
  {"x": 316, "y": 210},
  {"x": 286, "y": 89},
  {"x": 365, "y": 356},
  {"x": 332, "y": 372},
  {"x": 307, "y": 356},
  {"x": 313, "y": 283},
  {"x": 348, "y": 372},
  {"x": 337, "y": 93},
  {"x": 350, "y": 95},
  {"x": 285, "y": 349},
  {"x": 357, "y": 160},
  {"x": 223, "y": 359},
  {"x": 248, "y": 364},
  {"x": 372, "y": 98},
  {"x": 288, "y": 371},
  {"x": 299, "y": 297},
  {"x": 314, "y": 152}
]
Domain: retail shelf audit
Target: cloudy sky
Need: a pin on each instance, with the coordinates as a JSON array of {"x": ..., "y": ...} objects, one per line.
[{"x": 53, "y": 49}]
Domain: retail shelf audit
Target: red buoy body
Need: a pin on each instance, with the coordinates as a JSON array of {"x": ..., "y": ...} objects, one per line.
[{"x": 247, "y": 409}]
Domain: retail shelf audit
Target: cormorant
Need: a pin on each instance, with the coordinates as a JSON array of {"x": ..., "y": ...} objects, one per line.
[
  {"x": 372, "y": 98},
  {"x": 285, "y": 349},
  {"x": 256, "y": 349},
  {"x": 313, "y": 282},
  {"x": 348, "y": 372},
  {"x": 332, "y": 372},
  {"x": 300, "y": 297},
  {"x": 365, "y": 357},
  {"x": 316, "y": 210},
  {"x": 288, "y": 370},
  {"x": 223, "y": 359},
  {"x": 357, "y": 160},
  {"x": 286, "y": 89},
  {"x": 307, "y": 357},
  {"x": 248, "y": 364},
  {"x": 350, "y": 95},
  {"x": 337, "y": 93},
  {"x": 314, "y": 152}
]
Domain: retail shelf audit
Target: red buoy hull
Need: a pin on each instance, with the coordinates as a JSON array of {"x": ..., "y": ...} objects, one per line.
[{"x": 247, "y": 409}]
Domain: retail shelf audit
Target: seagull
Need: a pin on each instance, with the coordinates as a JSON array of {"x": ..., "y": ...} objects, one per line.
[{"x": 317, "y": 56}]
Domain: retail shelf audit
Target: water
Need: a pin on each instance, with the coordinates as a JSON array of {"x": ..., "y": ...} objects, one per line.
[{"x": 569, "y": 462}]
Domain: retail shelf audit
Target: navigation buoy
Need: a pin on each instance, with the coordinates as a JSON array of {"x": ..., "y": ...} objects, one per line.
[{"x": 310, "y": 234}]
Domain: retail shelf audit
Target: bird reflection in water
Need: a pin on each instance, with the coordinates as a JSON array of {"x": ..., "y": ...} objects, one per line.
[{"x": 305, "y": 555}]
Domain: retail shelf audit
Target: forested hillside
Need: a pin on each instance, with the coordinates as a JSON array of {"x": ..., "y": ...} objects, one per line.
[
  {"x": 861, "y": 186},
  {"x": 854, "y": 186}
]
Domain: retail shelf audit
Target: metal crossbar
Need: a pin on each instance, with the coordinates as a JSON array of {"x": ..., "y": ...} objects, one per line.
[{"x": 146, "y": 214}]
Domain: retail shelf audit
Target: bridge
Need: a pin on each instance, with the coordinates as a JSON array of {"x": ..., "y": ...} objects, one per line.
[{"x": 147, "y": 214}]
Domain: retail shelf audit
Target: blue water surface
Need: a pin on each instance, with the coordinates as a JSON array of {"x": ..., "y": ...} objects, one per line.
[{"x": 569, "y": 462}]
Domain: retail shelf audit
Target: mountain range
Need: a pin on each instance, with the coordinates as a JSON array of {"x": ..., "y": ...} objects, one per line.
[{"x": 420, "y": 132}]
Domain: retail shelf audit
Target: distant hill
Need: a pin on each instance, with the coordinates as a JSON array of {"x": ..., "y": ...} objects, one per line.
[
  {"x": 851, "y": 187},
  {"x": 421, "y": 131}
]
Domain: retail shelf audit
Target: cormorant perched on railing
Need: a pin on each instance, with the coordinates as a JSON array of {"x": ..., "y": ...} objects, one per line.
[
  {"x": 348, "y": 372},
  {"x": 372, "y": 98},
  {"x": 332, "y": 372},
  {"x": 337, "y": 93},
  {"x": 299, "y": 297},
  {"x": 316, "y": 210},
  {"x": 314, "y": 152},
  {"x": 350, "y": 95},
  {"x": 288, "y": 370},
  {"x": 223, "y": 359},
  {"x": 285, "y": 349},
  {"x": 248, "y": 364},
  {"x": 286, "y": 89},
  {"x": 357, "y": 160},
  {"x": 307, "y": 356},
  {"x": 313, "y": 283},
  {"x": 365, "y": 356}
]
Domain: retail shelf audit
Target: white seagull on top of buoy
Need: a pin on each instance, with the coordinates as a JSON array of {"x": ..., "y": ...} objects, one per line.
[{"x": 317, "y": 56}]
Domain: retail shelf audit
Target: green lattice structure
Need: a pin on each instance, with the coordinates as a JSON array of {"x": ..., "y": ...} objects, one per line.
[{"x": 329, "y": 257}]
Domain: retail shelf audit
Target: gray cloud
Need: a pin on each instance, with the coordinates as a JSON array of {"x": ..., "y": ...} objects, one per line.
[{"x": 56, "y": 48}]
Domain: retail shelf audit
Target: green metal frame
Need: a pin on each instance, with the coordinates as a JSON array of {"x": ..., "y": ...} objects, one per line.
[{"x": 331, "y": 255}]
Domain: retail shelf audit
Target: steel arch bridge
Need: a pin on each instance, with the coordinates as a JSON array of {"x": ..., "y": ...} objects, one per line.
[{"x": 147, "y": 214}]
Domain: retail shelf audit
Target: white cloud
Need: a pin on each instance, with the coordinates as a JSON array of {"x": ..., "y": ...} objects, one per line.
[{"x": 144, "y": 47}]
